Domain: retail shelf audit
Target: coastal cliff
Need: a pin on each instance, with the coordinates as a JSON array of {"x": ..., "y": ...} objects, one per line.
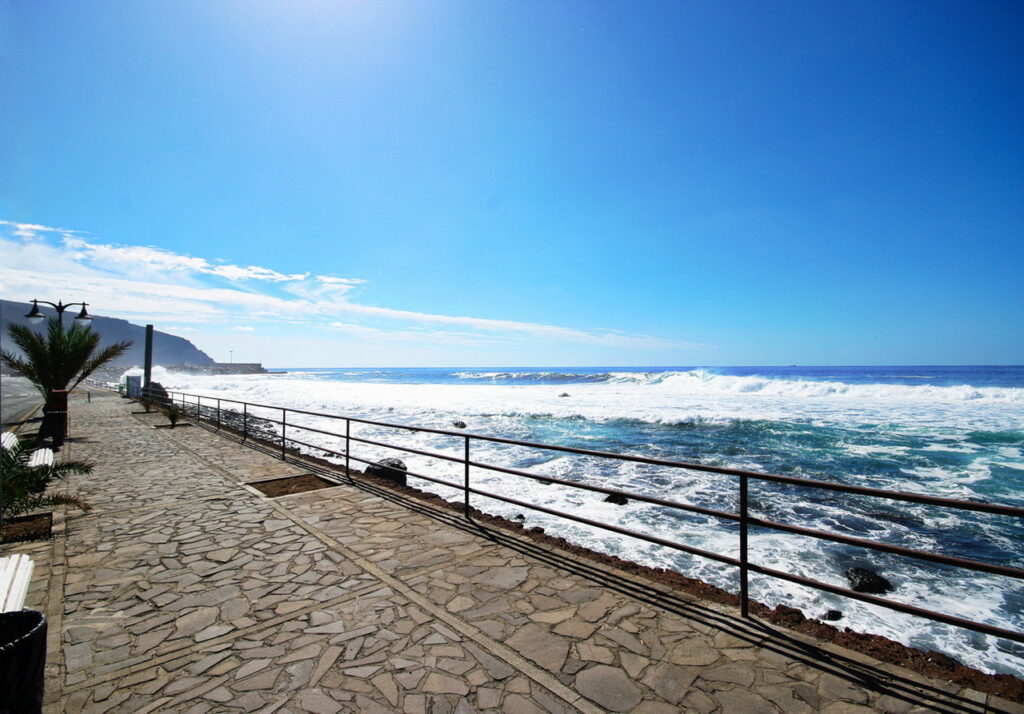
[{"x": 167, "y": 349}]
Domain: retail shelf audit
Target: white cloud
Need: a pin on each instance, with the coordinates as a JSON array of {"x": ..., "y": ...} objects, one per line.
[
  {"x": 157, "y": 259},
  {"x": 153, "y": 284},
  {"x": 332, "y": 280},
  {"x": 28, "y": 231}
]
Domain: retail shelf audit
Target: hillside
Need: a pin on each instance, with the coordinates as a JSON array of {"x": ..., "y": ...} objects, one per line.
[{"x": 167, "y": 349}]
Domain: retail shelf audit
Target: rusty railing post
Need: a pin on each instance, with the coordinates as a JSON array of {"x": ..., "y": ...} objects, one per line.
[
  {"x": 218, "y": 413},
  {"x": 465, "y": 462},
  {"x": 284, "y": 427},
  {"x": 348, "y": 424},
  {"x": 744, "y": 570},
  {"x": 245, "y": 420}
]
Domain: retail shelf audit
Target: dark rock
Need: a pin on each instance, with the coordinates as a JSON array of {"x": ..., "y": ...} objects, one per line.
[
  {"x": 391, "y": 469},
  {"x": 617, "y": 499},
  {"x": 787, "y": 616},
  {"x": 833, "y": 615},
  {"x": 564, "y": 394},
  {"x": 459, "y": 424},
  {"x": 158, "y": 394},
  {"x": 520, "y": 517},
  {"x": 937, "y": 658},
  {"x": 863, "y": 580}
]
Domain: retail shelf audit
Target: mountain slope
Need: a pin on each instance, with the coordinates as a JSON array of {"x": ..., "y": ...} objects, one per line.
[{"x": 167, "y": 349}]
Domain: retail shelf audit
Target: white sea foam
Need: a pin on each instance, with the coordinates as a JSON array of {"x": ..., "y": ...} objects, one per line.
[
  {"x": 706, "y": 382},
  {"x": 677, "y": 398},
  {"x": 960, "y": 449},
  {"x": 873, "y": 449}
]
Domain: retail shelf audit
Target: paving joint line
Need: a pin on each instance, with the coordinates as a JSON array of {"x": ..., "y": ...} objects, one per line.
[
  {"x": 54, "y": 602},
  {"x": 441, "y": 615},
  {"x": 525, "y": 667},
  {"x": 545, "y": 679},
  {"x": 151, "y": 507},
  {"x": 196, "y": 647},
  {"x": 255, "y": 628},
  {"x": 787, "y": 643}
]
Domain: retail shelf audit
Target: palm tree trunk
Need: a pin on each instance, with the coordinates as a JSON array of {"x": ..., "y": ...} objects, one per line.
[{"x": 55, "y": 417}]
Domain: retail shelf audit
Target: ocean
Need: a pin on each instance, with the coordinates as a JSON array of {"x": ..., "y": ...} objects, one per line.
[{"x": 956, "y": 432}]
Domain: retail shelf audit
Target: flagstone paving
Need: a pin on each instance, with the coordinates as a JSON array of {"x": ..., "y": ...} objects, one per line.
[{"x": 186, "y": 591}]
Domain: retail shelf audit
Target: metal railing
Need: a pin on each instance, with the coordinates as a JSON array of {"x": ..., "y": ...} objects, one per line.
[{"x": 216, "y": 413}]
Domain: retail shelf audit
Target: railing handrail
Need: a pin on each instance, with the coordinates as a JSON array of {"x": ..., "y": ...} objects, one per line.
[
  {"x": 998, "y": 509},
  {"x": 743, "y": 517}
]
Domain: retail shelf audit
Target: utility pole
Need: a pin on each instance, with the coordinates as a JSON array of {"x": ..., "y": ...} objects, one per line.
[{"x": 148, "y": 368}]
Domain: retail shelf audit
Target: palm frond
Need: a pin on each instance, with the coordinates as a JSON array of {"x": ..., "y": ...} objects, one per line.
[
  {"x": 107, "y": 354},
  {"x": 71, "y": 466},
  {"x": 68, "y": 499},
  {"x": 61, "y": 359}
]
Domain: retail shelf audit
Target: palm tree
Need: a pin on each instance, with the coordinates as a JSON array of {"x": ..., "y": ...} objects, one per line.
[{"x": 59, "y": 360}]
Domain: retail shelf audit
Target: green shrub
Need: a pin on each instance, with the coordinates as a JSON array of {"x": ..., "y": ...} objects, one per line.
[
  {"x": 174, "y": 413},
  {"x": 28, "y": 472}
]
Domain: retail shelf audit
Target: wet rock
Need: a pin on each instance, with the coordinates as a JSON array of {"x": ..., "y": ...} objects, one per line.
[
  {"x": 459, "y": 424},
  {"x": 391, "y": 469},
  {"x": 788, "y": 616},
  {"x": 941, "y": 660},
  {"x": 863, "y": 580},
  {"x": 520, "y": 517},
  {"x": 617, "y": 499},
  {"x": 833, "y": 615},
  {"x": 564, "y": 394}
]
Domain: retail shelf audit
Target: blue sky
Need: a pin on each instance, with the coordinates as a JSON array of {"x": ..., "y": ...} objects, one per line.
[{"x": 524, "y": 183}]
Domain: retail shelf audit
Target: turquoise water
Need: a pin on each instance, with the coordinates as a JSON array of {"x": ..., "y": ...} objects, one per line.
[{"x": 949, "y": 431}]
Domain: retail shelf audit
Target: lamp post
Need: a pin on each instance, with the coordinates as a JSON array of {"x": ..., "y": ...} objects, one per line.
[
  {"x": 56, "y": 407},
  {"x": 35, "y": 316}
]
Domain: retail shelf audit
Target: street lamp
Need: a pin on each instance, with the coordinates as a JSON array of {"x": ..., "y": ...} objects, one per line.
[
  {"x": 35, "y": 316},
  {"x": 56, "y": 406}
]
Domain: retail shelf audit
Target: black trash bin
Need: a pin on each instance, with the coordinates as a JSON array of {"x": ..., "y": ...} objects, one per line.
[{"x": 22, "y": 658}]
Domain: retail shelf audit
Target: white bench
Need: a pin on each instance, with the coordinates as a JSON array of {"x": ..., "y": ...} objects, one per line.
[{"x": 15, "y": 574}]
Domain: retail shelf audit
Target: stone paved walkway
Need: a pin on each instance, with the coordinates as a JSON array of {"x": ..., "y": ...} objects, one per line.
[{"x": 185, "y": 590}]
